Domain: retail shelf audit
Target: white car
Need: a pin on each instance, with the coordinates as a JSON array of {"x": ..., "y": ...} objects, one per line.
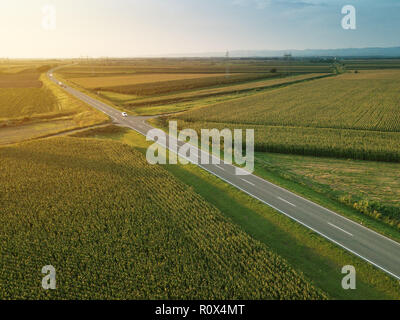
[{"x": 124, "y": 114}]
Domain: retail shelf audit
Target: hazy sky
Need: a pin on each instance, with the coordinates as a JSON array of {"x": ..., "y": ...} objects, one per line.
[{"x": 153, "y": 27}]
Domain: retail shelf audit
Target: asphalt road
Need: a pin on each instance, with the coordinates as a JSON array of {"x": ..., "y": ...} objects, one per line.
[{"x": 370, "y": 246}]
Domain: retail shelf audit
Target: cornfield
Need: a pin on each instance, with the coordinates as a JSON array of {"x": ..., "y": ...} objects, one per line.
[
  {"x": 349, "y": 116},
  {"x": 115, "y": 227},
  {"x": 348, "y": 101},
  {"x": 347, "y": 144}
]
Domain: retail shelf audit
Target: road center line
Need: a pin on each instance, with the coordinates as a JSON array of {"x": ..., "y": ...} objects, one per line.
[
  {"x": 331, "y": 224},
  {"x": 248, "y": 181},
  {"x": 220, "y": 167},
  {"x": 286, "y": 201}
]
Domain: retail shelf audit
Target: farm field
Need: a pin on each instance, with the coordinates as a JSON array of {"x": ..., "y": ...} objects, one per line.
[
  {"x": 348, "y": 116},
  {"x": 134, "y": 101},
  {"x": 147, "y": 79},
  {"x": 22, "y": 92},
  {"x": 349, "y": 101},
  {"x": 325, "y": 142},
  {"x": 29, "y": 131},
  {"x": 302, "y": 128},
  {"x": 25, "y": 102},
  {"x": 32, "y": 106},
  {"x": 21, "y": 79},
  {"x": 322, "y": 145},
  {"x": 150, "y": 110},
  {"x": 200, "y": 159},
  {"x": 156, "y": 97},
  {"x": 372, "y": 188},
  {"x": 318, "y": 259},
  {"x": 155, "y": 84},
  {"x": 368, "y": 64},
  {"x": 95, "y": 210},
  {"x": 13, "y": 67},
  {"x": 116, "y": 81},
  {"x": 98, "y": 67}
]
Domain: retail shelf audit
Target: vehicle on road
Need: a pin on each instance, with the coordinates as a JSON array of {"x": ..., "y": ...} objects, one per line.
[
  {"x": 61, "y": 85},
  {"x": 124, "y": 114}
]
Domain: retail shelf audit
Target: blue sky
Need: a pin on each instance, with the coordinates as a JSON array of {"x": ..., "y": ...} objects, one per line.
[{"x": 155, "y": 27}]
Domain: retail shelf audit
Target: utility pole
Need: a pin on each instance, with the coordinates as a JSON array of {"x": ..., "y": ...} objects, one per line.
[
  {"x": 288, "y": 57},
  {"x": 227, "y": 69}
]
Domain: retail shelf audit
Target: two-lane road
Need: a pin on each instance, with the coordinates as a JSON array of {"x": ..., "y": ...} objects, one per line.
[{"x": 370, "y": 246}]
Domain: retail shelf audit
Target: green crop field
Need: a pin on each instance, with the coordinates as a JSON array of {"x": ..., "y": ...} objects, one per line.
[
  {"x": 350, "y": 101},
  {"x": 372, "y": 188},
  {"x": 94, "y": 208},
  {"x": 318, "y": 259},
  {"x": 347, "y": 116},
  {"x": 32, "y": 106},
  {"x": 371, "y": 64},
  {"x": 326, "y": 142},
  {"x": 200, "y": 159},
  {"x": 95, "y": 211}
]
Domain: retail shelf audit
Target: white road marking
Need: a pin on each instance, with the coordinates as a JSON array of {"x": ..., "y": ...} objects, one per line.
[
  {"x": 286, "y": 201},
  {"x": 331, "y": 224},
  {"x": 220, "y": 167},
  {"x": 247, "y": 181},
  {"x": 328, "y": 210}
]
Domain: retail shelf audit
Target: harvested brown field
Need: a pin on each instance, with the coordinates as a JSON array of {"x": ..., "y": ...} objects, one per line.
[
  {"x": 114, "y": 81},
  {"x": 236, "y": 88}
]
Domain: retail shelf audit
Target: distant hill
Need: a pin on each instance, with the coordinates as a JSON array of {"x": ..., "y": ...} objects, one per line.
[{"x": 346, "y": 52}]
